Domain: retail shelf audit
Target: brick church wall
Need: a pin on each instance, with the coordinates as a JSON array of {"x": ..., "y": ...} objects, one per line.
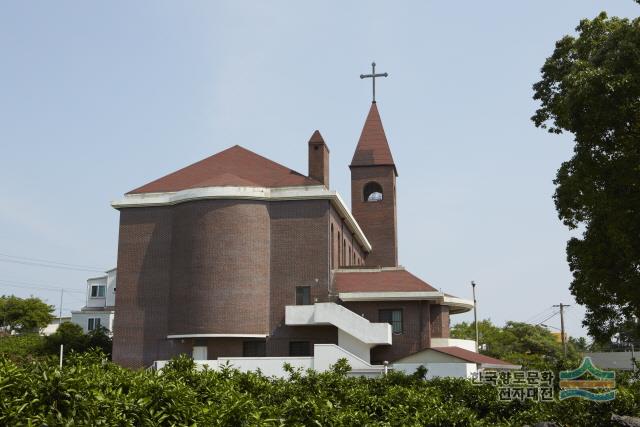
[
  {"x": 439, "y": 321},
  {"x": 144, "y": 278},
  {"x": 197, "y": 267},
  {"x": 220, "y": 271},
  {"x": 217, "y": 266},
  {"x": 299, "y": 257}
]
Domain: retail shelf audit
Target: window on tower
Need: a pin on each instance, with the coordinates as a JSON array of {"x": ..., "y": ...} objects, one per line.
[{"x": 372, "y": 192}]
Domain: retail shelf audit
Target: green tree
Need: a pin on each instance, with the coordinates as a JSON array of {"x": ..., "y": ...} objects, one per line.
[
  {"x": 590, "y": 87},
  {"x": 74, "y": 339},
  {"x": 70, "y": 335},
  {"x": 520, "y": 343},
  {"x": 24, "y": 315}
]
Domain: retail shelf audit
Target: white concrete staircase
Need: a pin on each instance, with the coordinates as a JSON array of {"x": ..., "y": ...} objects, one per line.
[{"x": 355, "y": 333}]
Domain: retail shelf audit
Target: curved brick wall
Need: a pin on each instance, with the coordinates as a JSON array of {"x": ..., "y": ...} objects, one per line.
[{"x": 220, "y": 269}]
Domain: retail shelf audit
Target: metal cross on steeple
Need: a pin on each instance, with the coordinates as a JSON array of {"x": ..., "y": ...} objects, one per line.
[{"x": 373, "y": 76}]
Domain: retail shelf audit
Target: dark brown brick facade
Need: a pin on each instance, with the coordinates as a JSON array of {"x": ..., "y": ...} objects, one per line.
[
  {"x": 299, "y": 257},
  {"x": 144, "y": 283},
  {"x": 440, "y": 321},
  {"x": 377, "y": 219},
  {"x": 217, "y": 267},
  {"x": 220, "y": 268}
]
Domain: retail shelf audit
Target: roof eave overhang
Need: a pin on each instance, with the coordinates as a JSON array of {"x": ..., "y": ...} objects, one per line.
[
  {"x": 312, "y": 192},
  {"x": 457, "y": 305}
]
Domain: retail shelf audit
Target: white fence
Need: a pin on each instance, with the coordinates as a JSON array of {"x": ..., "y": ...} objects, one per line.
[{"x": 325, "y": 355}]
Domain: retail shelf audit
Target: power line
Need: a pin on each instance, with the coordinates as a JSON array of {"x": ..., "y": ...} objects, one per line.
[
  {"x": 26, "y": 285},
  {"x": 36, "y": 264},
  {"x": 51, "y": 262},
  {"x": 48, "y": 263},
  {"x": 540, "y": 314},
  {"x": 535, "y": 316},
  {"x": 554, "y": 314}
]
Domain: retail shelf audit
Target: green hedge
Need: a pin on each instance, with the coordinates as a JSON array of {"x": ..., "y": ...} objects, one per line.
[
  {"x": 93, "y": 391},
  {"x": 21, "y": 348}
]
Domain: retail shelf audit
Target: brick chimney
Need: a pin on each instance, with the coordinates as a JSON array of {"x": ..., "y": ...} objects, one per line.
[{"x": 319, "y": 159}]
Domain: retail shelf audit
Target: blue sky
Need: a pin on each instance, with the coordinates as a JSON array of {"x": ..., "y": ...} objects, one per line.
[{"x": 98, "y": 98}]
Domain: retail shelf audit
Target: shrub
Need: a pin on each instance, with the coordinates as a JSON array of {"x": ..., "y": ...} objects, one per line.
[
  {"x": 90, "y": 390},
  {"x": 22, "y": 347},
  {"x": 74, "y": 339}
]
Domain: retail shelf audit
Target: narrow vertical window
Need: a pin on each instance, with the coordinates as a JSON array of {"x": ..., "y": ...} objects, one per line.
[
  {"x": 303, "y": 295},
  {"x": 392, "y": 317},
  {"x": 344, "y": 251},
  {"x": 339, "y": 251},
  {"x": 331, "y": 254},
  {"x": 93, "y": 323}
]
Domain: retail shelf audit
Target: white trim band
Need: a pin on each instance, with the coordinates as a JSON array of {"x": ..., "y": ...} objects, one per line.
[
  {"x": 174, "y": 337},
  {"x": 458, "y": 305},
  {"x": 312, "y": 192}
]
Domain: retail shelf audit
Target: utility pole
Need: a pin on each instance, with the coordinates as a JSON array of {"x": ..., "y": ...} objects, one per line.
[
  {"x": 562, "y": 333},
  {"x": 60, "y": 312},
  {"x": 60, "y": 324},
  {"x": 475, "y": 314}
]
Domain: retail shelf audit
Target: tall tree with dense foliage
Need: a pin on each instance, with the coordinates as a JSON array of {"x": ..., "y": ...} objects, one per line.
[
  {"x": 590, "y": 87},
  {"x": 24, "y": 315}
]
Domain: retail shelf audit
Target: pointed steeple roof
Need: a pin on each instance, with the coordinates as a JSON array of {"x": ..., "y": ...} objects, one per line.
[
  {"x": 373, "y": 148},
  {"x": 316, "y": 138}
]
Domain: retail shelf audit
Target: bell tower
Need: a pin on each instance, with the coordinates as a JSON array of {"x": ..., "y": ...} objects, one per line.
[{"x": 373, "y": 191}]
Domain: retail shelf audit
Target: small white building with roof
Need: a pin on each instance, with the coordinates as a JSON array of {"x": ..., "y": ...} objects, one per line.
[{"x": 100, "y": 304}]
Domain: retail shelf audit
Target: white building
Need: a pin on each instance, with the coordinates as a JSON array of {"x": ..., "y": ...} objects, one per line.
[{"x": 100, "y": 304}]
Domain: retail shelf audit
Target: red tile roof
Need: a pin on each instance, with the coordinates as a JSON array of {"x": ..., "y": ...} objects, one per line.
[
  {"x": 470, "y": 356},
  {"x": 399, "y": 280},
  {"x": 235, "y": 166},
  {"x": 373, "y": 148}
]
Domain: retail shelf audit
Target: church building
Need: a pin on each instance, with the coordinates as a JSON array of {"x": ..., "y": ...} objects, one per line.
[{"x": 238, "y": 258}]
